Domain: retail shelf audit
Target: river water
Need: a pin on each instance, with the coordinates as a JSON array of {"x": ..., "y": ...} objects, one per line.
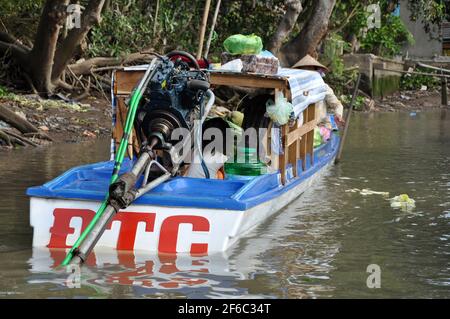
[{"x": 318, "y": 247}]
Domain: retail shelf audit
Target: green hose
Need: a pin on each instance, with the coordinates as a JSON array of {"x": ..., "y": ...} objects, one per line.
[{"x": 134, "y": 103}]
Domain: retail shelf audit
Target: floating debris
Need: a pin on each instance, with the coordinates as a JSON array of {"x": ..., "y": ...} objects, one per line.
[
  {"x": 403, "y": 202},
  {"x": 366, "y": 191}
]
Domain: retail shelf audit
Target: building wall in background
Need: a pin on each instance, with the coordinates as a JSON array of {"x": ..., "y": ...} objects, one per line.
[{"x": 424, "y": 47}]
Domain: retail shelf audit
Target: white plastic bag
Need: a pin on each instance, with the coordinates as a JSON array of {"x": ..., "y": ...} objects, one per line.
[
  {"x": 234, "y": 65},
  {"x": 212, "y": 162}
]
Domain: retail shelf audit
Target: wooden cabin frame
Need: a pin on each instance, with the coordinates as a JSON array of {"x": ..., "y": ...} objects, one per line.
[{"x": 297, "y": 142}]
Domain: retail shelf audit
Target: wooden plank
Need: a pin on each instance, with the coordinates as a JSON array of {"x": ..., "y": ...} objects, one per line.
[
  {"x": 292, "y": 149},
  {"x": 293, "y": 156},
  {"x": 310, "y": 134},
  {"x": 302, "y": 130},
  {"x": 285, "y": 155},
  {"x": 118, "y": 127},
  {"x": 247, "y": 80},
  {"x": 121, "y": 115},
  {"x": 303, "y": 141},
  {"x": 126, "y": 81}
]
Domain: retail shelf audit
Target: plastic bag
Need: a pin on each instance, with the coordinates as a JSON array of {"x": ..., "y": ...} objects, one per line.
[
  {"x": 233, "y": 65},
  {"x": 280, "y": 112},
  {"x": 317, "y": 137},
  {"x": 213, "y": 164},
  {"x": 243, "y": 44},
  {"x": 403, "y": 201}
]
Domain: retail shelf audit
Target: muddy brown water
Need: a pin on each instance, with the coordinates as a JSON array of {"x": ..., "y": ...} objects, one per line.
[{"x": 318, "y": 247}]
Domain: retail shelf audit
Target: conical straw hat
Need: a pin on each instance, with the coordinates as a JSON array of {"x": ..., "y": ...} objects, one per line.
[{"x": 309, "y": 61}]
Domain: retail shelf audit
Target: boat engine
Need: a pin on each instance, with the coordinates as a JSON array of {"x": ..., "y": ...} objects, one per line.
[{"x": 173, "y": 99}]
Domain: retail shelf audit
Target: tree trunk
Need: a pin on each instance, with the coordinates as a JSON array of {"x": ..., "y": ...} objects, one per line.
[
  {"x": 293, "y": 9},
  {"x": 41, "y": 56},
  {"x": 66, "y": 51},
  {"x": 310, "y": 36}
]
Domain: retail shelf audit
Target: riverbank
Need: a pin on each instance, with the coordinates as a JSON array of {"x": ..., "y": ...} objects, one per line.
[
  {"x": 57, "y": 121},
  {"x": 406, "y": 101}
]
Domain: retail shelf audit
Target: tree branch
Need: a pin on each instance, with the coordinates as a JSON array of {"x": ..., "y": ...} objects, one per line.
[
  {"x": 346, "y": 21},
  {"x": 8, "y": 38},
  {"x": 17, "y": 52},
  {"x": 293, "y": 10},
  {"x": 308, "y": 39}
]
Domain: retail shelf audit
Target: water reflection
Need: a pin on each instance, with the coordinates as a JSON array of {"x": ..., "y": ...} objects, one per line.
[{"x": 146, "y": 275}]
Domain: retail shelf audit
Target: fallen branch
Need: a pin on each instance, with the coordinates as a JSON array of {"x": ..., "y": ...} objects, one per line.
[
  {"x": 40, "y": 135},
  {"x": 5, "y": 137},
  {"x": 16, "y": 121},
  {"x": 86, "y": 67},
  {"x": 21, "y": 138}
]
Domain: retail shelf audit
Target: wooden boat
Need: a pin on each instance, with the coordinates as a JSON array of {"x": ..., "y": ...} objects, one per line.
[{"x": 184, "y": 215}]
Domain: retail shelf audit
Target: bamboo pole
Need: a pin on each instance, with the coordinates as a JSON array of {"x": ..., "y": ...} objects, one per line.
[
  {"x": 213, "y": 25},
  {"x": 427, "y": 66},
  {"x": 347, "y": 121},
  {"x": 155, "y": 24},
  {"x": 416, "y": 73},
  {"x": 444, "y": 96},
  {"x": 203, "y": 29}
]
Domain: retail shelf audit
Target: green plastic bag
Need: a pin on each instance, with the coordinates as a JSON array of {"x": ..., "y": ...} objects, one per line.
[
  {"x": 243, "y": 44},
  {"x": 317, "y": 138}
]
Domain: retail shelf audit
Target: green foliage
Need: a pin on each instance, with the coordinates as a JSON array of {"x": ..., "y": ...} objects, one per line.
[
  {"x": 6, "y": 93},
  {"x": 359, "y": 101},
  {"x": 339, "y": 78},
  {"x": 178, "y": 21},
  {"x": 131, "y": 25},
  {"x": 3, "y": 91},
  {"x": 387, "y": 40},
  {"x": 416, "y": 81},
  {"x": 20, "y": 18},
  {"x": 430, "y": 12},
  {"x": 350, "y": 16},
  {"x": 126, "y": 28},
  {"x": 120, "y": 34},
  {"x": 333, "y": 48}
]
